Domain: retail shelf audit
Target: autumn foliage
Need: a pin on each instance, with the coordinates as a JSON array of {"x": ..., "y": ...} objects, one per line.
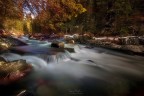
[{"x": 44, "y": 15}]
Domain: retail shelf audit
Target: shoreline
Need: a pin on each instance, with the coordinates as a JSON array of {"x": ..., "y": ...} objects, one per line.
[
  {"x": 131, "y": 45},
  {"x": 125, "y": 49}
]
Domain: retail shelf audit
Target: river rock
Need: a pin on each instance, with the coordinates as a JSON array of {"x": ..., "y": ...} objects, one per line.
[
  {"x": 71, "y": 42},
  {"x": 115, "y": 46},
  {"x": 134, "y": 48},
  {"x": 129, "y": 40},
  {"x": 4, "y": 45},
  {"x": 57, "y": 44},
  {"x": 13, "y": 71}
]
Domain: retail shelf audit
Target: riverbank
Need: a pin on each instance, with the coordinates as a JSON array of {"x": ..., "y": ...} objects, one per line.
[
  {"x": 131, "y": 49},
  {"x": 127, "y": 49},
  {"x": 131, "y": 45}
]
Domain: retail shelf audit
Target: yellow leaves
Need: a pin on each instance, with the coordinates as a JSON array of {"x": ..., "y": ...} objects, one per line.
[
  {"x": 51, "y": 26},
  {"x": 75, "y": 15},
  {"x": 80, "y": 8},
  {"x": 10, "y": 24},
  {"x": 63, "y": 1},
  {"x": 58, "y": 11},
  {"x": 29, "y": 29},
  {"x": 84, "y": 10}
]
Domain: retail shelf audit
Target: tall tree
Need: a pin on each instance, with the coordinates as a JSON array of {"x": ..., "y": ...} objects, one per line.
[
  {"x": 9, "y": 10},
  {"x": 48, "y": 14},
  {"x": 51, "y": 14}
]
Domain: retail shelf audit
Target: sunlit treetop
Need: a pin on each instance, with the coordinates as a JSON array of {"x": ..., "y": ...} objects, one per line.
[
  {"x": 48, "y": 13},
  {"x": 52, "y": 7},
  {"x": 9, "y": 9}
]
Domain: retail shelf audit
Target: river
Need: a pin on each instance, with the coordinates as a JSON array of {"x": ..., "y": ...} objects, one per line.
[{"x": 88, "y": 72}]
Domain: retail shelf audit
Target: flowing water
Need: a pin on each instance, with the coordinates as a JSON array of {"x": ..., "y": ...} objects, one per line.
[{"x": 87, "y": 72}]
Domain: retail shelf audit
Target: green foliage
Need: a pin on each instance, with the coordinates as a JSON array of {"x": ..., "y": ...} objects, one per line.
[
  {"x": 122, "y": 7},
  {"x": 96, "y": 16},
  {"x": 106, "y": 15}
]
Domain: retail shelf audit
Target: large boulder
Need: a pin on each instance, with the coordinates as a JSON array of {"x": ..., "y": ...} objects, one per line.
[
  {"x": 4, "y": 45},
  {"x": 129, "y": 40},
  {"x": 133, "y": 48},
  {"x": 57, "y": 44},
  {"x": 13, "y": 71}
]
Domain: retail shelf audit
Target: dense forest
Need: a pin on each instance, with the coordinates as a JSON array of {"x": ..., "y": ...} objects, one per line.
[{"x": 100, "y": 17}]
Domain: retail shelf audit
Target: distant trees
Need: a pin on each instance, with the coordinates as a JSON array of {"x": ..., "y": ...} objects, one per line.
[
  {"x": 112, "y": 17},
  {"x": 10, "y": 16},
  {"x": 56, "y": 13},
  {"x": 100, "y": 17},
  {"x": 8, "y": 10},
  {"x": 48, "y": 15}
]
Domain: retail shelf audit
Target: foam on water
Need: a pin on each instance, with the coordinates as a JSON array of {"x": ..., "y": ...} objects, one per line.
[
  {"x": 10, "y": 56},
  {"x": 76, "y": 48},
  {"x": 38, "y": 63},
  {"x": 70, "y": 70},
  {"x": 82, "y": 63},
  {"x": 33, "y": 60},
  {"x": 61, "y": 56}
]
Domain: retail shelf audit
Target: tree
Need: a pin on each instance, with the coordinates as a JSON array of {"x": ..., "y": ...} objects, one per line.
[
  {"x": 50, "y": 14},
  {"x": 106, "y": 17},
  {"x": 8, "y": 10}
]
